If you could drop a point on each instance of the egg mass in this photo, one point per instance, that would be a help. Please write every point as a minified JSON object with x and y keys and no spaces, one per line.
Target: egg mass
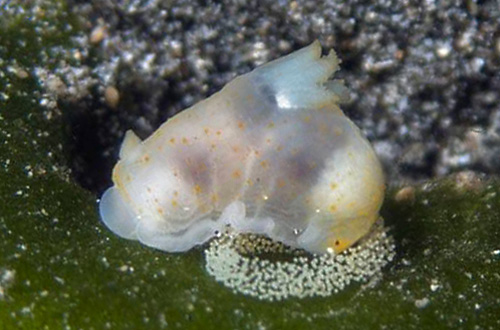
{"x":271,"y":153}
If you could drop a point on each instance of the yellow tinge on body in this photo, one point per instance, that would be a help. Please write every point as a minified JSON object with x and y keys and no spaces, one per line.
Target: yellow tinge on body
{"x":271,"y":153}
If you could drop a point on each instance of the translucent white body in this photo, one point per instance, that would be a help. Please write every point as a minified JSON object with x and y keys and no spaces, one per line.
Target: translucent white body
{"x":271,"y":153}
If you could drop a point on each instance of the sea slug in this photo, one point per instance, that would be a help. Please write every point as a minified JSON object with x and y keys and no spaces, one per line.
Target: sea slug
{"x":271,"y":153}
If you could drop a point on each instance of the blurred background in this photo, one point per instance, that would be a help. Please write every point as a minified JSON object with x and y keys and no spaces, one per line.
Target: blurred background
{"x":423,"y":76}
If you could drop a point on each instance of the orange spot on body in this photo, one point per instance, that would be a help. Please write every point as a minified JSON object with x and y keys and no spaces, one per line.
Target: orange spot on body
{"x":339,"y":245}
{"x":172,"y":140}
{"x":264,"y":164}
{"x":197,"y":189}
{"x":236,"y":174}
{"x":214,"y":198}
{"x":184,"y":140}
{"x":241,"y":125}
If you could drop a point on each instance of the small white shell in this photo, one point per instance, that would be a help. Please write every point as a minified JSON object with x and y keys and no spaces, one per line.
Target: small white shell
{"x":271,"y":153}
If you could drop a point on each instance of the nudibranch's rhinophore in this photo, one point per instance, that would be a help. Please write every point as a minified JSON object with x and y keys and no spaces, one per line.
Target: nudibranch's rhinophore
{"x":270,"y":154}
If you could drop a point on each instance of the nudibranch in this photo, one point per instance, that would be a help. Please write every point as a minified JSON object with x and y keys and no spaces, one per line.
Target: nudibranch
{"x":270,"y":154}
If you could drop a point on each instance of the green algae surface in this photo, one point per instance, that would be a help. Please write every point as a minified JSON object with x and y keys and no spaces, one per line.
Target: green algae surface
{"x":60,"y":267}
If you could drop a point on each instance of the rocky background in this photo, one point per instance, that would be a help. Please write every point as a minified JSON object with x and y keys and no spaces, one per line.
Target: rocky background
{"x":424,"y":76}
